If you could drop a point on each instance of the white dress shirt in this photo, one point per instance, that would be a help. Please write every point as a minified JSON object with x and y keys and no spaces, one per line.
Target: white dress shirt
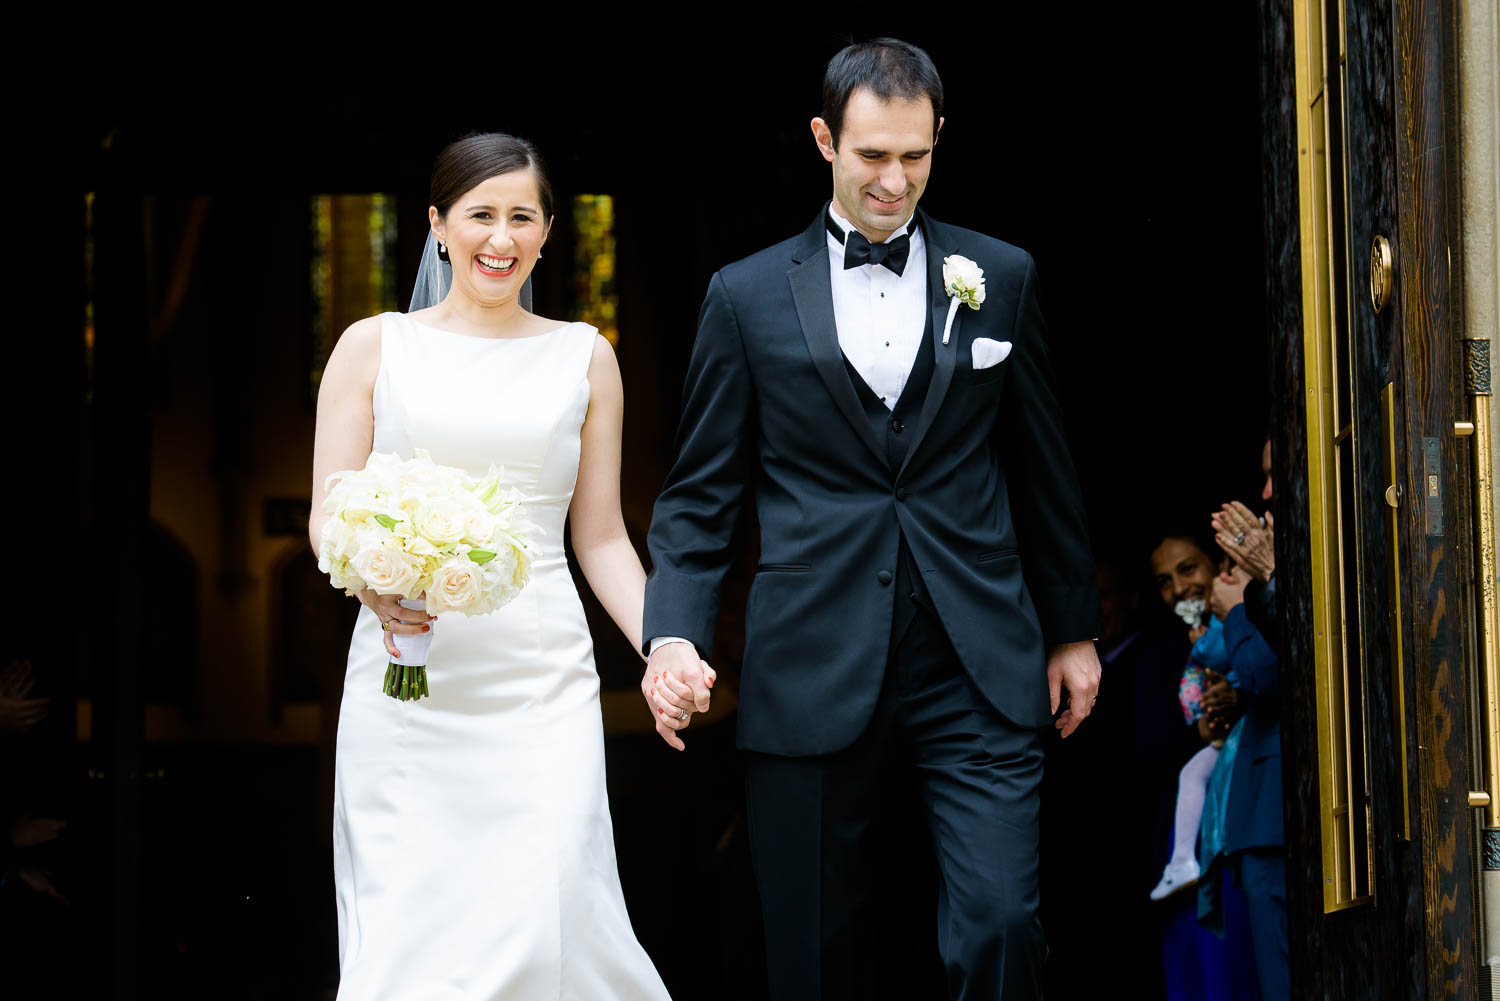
{"x":880,"y":315}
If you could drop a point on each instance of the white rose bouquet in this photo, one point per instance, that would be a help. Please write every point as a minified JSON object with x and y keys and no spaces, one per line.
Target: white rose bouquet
{"x":433,"y":534}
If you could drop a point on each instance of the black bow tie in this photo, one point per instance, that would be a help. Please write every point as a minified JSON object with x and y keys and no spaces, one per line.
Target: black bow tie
{"x":858,"y":250}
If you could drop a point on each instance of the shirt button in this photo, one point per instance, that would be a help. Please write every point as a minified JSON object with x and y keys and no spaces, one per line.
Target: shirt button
{"x":882,"y":295}
{"x":887,"y":343}
{"x":884,"y":577}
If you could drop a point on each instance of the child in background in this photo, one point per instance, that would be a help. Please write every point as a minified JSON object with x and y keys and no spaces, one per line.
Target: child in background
{"x":1207,"y":659}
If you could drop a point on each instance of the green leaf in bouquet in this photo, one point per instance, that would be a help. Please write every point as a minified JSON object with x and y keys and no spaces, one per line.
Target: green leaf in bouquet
{"x":481,"y":556}
{"x":386,"y":520}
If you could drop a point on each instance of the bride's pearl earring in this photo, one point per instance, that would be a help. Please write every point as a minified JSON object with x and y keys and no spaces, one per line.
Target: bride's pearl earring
{"x":442,"y":251}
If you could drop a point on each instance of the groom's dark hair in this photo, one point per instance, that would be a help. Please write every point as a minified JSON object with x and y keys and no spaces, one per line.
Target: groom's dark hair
{"x":889,"y":68}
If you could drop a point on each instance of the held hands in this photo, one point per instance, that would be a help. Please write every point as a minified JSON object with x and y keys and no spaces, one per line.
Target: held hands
{"x":394,"y":619}
{"x":1074,"y":666}
{"x":1229,"y":590}
{"x":1239,"y":533}
{"x":676,"y":685}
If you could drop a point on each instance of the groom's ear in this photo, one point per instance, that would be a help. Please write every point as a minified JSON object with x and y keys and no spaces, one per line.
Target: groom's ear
{"x":938,"y":129}
{"x":823,"y":136}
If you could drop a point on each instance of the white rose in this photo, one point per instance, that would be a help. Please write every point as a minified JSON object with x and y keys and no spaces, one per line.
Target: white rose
{"x":964,"y":280}
{"x":357,"y":495}
{"x":387,"y":568}
{"x":339,"y":540}
{"x":455,"y":586}
{"x":423,"y":476}
{"x":440,"y":521}
{"x":961,"y":270}
{"x":479,"y":527}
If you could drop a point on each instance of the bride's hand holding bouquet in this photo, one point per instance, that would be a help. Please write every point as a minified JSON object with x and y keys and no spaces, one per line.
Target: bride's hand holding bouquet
{"x":412,"y":539}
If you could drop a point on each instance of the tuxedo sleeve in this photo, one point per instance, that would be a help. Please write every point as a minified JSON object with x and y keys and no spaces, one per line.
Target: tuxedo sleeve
{"x":1045,"y":501}
{"x":693,"y":524}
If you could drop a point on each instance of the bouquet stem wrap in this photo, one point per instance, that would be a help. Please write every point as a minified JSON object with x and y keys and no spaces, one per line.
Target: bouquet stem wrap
{"x":406,"y":676}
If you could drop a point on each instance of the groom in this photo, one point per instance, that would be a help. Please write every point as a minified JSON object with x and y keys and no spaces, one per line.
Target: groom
{"x":926,"y":586}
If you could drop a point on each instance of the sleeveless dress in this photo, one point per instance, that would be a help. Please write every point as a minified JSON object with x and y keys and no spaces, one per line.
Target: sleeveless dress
{"x":473,"y":853}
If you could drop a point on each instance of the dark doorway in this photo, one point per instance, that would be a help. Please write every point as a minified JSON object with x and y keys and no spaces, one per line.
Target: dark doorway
{"x":1121,"y":149}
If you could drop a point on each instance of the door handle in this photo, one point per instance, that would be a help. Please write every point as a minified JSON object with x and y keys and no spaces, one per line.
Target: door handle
{"x":1477,"y":388}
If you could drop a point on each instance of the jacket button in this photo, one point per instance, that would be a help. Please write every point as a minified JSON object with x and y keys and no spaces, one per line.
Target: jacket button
{"x":896,"y":425}
{"x":884,"y":577}
{"x":901,"y":493}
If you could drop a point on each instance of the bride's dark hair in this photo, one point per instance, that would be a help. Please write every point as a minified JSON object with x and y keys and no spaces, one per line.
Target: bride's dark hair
{"x":477,"y":157}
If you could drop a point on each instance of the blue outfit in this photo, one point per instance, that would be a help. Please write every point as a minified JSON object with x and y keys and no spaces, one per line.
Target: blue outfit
{"x":1253,"y":836}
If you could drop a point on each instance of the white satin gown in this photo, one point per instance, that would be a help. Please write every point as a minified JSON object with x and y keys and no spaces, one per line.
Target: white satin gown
{"x":473,"y":853}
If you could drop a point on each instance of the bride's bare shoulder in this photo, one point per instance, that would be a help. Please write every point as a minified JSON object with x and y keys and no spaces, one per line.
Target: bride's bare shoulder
{"x":356,"y":355}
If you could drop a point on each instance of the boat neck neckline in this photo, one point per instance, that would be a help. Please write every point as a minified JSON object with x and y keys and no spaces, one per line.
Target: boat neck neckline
{"x":478,"y":337}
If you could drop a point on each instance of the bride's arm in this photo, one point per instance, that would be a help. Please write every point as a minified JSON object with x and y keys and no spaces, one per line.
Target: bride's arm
{"x":346,"y":421}
{"x":343,"y":439}
{"x":608,"y":560}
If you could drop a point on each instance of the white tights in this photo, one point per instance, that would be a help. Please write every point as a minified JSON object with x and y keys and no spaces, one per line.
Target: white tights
{"x":1192,"y":785}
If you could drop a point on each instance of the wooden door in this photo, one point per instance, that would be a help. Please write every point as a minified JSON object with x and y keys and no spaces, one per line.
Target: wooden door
{"x":1374,"y":544}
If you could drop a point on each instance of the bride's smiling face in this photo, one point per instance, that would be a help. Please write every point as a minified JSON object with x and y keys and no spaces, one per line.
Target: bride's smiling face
{"x":494,"y":232}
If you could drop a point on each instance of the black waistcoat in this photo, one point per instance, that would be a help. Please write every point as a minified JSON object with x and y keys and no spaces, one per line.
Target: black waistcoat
{"x":894,"y":427}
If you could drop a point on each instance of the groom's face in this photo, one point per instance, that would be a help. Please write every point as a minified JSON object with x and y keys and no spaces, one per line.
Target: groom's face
{"x":882,"y":160}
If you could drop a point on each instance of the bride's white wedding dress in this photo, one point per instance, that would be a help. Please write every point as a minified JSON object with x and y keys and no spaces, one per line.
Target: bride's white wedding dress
{"x":473,"y":853}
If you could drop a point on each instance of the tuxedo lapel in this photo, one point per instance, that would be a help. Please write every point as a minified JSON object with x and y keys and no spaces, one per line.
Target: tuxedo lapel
{"x":945,"y":357}
{"x":812,"y":291}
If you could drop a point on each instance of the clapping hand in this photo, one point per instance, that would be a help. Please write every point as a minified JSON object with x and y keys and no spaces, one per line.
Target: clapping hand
{"x":1229,"y":591}
{"x":1240,"y":535}
{"x":17,"y":712}
{"x":676,"y":685}
{"x":1074,"y":666}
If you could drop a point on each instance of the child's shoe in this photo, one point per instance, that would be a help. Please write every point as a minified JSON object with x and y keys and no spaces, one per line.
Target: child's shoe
{"x":1176,"y":876}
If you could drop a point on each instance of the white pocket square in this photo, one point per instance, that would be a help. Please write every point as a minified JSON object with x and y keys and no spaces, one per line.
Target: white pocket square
{"x":988,"y":353}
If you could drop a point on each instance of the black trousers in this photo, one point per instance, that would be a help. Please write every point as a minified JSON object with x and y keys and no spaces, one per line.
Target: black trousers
{"x":978,"y":778}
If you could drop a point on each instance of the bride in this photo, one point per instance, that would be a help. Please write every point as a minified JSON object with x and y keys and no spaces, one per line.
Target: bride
{"x":473,"y":853}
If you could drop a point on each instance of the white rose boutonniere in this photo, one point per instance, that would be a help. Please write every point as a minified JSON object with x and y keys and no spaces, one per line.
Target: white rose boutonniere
{"x":964,"y":282}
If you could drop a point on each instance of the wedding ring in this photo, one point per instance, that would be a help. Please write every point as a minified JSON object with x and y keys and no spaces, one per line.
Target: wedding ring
{"x":682,"y":714}
{"x":1239,"y":540}
{"x":385,"y":624}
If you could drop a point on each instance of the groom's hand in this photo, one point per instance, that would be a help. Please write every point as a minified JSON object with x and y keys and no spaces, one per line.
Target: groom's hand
{"x":1074,"y":666}
{"x":676,"y":685}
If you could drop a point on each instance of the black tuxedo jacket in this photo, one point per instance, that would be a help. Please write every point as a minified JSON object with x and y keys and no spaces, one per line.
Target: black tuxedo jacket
{"x":986,"y":497}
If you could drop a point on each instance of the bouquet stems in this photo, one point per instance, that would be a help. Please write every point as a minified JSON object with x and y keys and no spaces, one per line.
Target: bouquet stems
{"x":405,"y":682}
{"x":406,"y":675}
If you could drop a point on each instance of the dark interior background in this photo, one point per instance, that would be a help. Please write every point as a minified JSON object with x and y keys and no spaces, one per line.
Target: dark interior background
{"x":1120,"y":147}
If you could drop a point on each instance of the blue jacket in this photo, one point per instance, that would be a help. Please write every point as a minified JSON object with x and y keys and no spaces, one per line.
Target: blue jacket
{"x":1253,"y":819}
